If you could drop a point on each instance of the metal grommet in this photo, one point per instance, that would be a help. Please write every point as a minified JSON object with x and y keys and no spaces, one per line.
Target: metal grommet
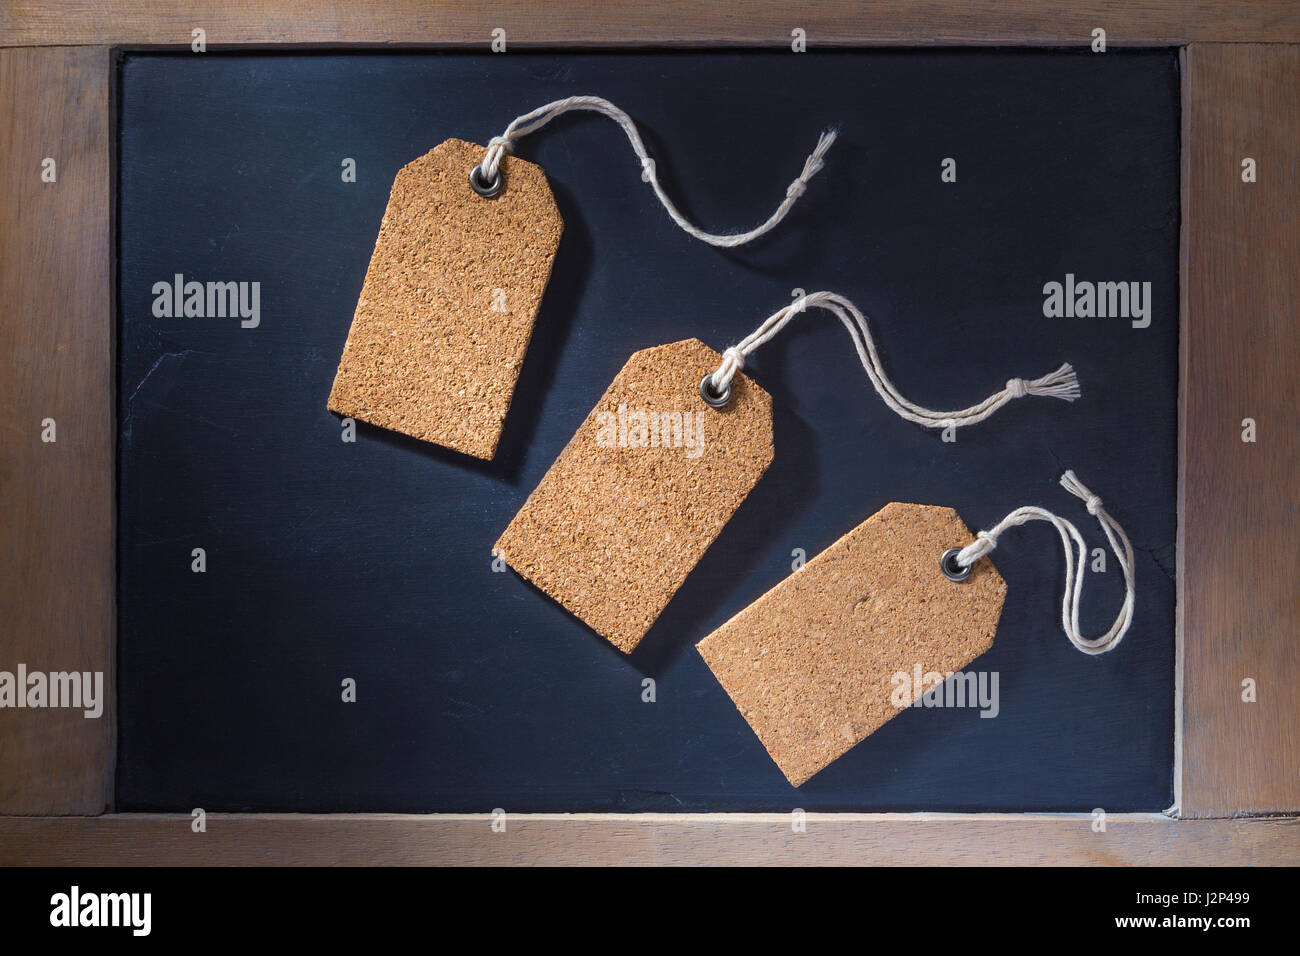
{"x":485,"y":189}
{"x":711,"y":395}
{"x":951,"y":569}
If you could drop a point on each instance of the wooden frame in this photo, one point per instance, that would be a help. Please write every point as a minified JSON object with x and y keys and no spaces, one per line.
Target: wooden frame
{"x":1237,"y":768}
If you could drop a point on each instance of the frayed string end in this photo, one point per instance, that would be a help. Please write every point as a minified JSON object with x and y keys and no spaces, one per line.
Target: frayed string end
{"x":1062,"y":384}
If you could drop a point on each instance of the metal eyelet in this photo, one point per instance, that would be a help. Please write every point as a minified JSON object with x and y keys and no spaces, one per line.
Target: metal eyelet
{"x":712,"y":396}
{"x":951,"y":569}
{"x":485,"y":189}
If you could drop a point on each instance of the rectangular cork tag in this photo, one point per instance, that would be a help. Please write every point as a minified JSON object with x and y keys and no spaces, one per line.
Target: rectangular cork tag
{"x":811,"y":664}
{"x":449,"y":301}
{"x":641,"y":491}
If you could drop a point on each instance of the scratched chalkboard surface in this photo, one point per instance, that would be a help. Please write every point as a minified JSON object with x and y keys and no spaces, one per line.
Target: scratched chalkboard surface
{"x":326,"y":561}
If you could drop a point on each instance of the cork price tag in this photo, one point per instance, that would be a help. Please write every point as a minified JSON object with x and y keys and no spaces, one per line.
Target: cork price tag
{"x":641,"y":490}
{"x":812,"y":664}
{"x":449,"y":301}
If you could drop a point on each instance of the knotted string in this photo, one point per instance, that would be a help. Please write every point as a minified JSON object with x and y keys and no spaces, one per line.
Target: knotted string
{"x":1062,"y":383}
{"x":498,"y":146}
{"x":986,"y":541}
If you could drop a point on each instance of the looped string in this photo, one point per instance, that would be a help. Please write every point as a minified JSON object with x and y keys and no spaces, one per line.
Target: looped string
{"x":986,"y":541}
{"x":498,"y":146}
{"x":733,"y":361}
{"x":1062,"y":383}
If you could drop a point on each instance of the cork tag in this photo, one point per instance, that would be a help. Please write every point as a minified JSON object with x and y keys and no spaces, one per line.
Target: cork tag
{"x":449,"y":301}
{"x":813,"y":664}
{"x":641,"y":490}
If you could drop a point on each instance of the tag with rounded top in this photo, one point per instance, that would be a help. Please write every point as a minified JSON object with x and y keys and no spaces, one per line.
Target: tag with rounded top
{"x":641,"y":490}
{"x":449,"y":301}
{"x":888,"y":615}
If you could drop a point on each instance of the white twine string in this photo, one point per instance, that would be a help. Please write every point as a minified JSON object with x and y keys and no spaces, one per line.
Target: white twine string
{"x":986,"y":541}
{"x":1061,"y":383}
{"x":498,"y":146}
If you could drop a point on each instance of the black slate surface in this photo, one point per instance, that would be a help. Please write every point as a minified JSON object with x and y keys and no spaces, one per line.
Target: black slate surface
{"x":328,"y":560}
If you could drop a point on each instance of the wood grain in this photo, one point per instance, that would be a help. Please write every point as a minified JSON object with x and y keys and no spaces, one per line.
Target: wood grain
{"x":56,"y":361}
{"x":671,"y":23}
{"x":1240,"y":603}
{"x":1239,"y":576}
{"x":591,"y":839}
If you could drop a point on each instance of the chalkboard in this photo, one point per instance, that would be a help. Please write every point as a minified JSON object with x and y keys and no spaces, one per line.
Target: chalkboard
{"x":327,"y":560}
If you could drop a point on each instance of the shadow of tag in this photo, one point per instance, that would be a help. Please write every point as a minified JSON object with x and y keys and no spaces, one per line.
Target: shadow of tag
{"x":814,"y":664}
{"x":449,"y":301}
{"x":641,"y":490}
